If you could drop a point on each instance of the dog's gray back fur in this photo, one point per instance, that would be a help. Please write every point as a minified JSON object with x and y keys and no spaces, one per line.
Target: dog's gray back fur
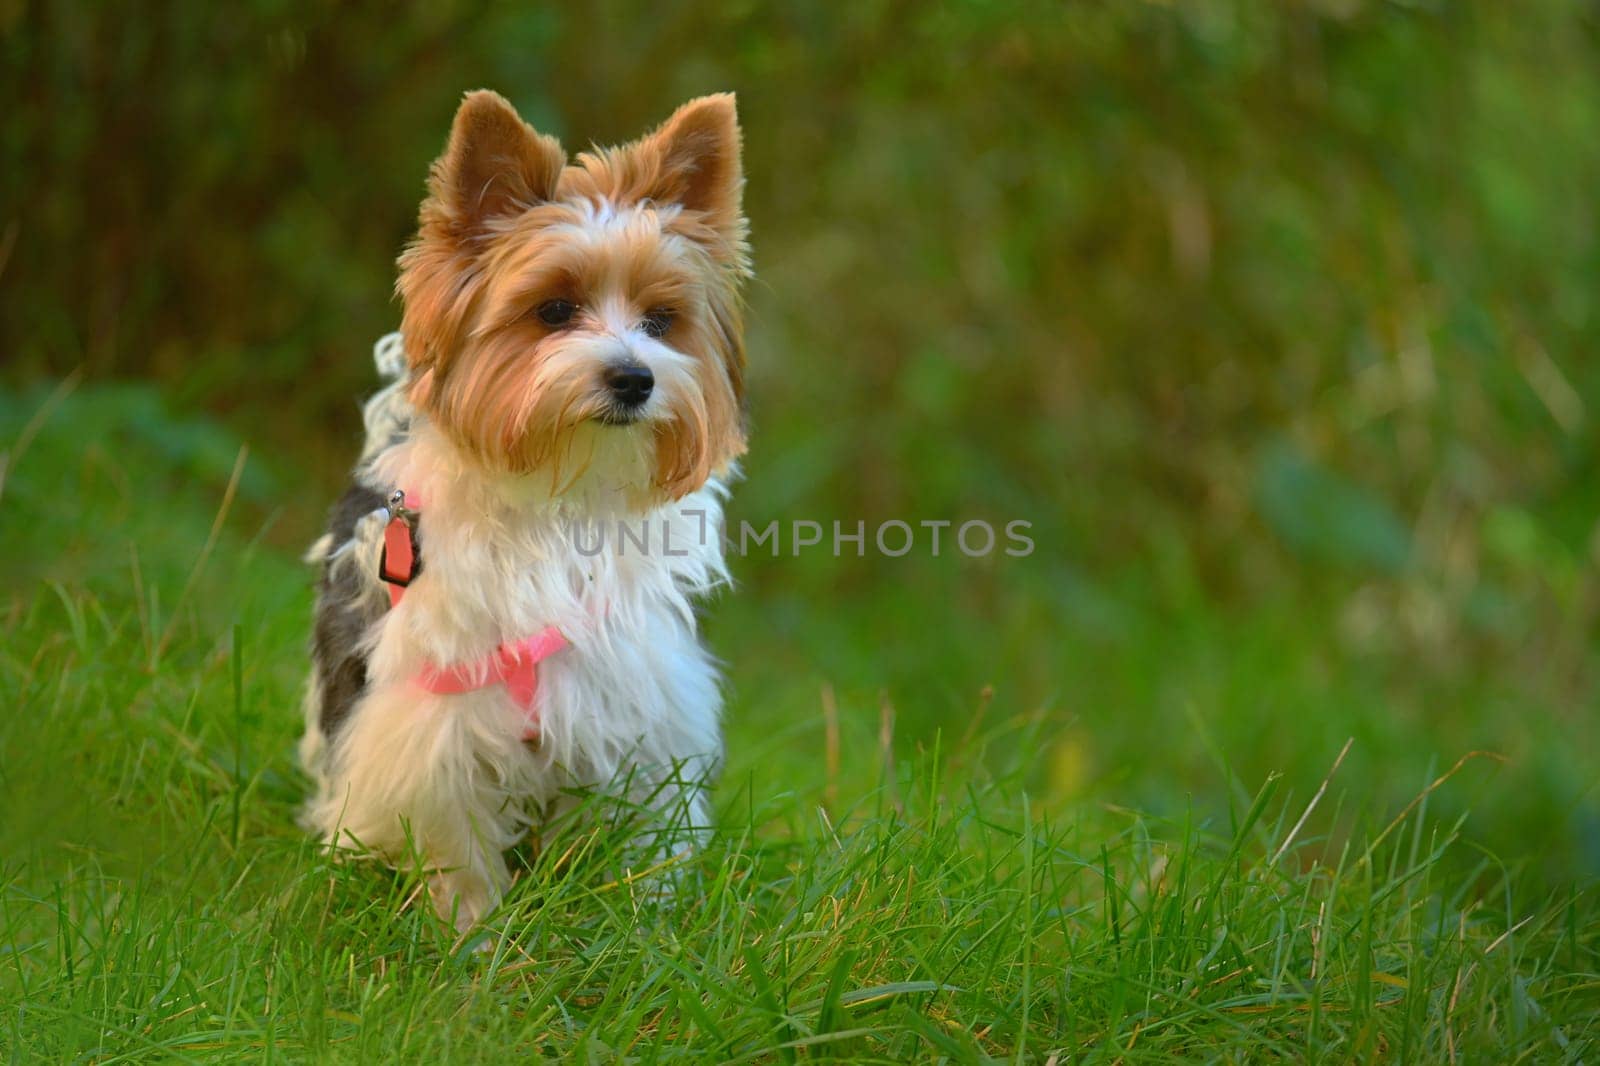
{"x":350,"y":598}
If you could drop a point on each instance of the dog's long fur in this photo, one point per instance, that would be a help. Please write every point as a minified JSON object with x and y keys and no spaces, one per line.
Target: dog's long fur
{"x":494,"y":423}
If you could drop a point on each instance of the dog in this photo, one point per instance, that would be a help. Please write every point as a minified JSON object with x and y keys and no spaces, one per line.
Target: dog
{"x":491,"y":631}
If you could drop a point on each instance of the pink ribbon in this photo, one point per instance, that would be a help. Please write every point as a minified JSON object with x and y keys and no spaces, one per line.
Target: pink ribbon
{"x":514,"y":664}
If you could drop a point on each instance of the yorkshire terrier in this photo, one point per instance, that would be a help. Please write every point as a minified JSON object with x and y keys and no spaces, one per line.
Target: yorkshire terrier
{"x":570,"y":362}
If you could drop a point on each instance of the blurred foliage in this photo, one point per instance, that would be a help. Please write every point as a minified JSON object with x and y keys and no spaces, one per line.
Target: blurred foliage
{"x":1283,"y":310}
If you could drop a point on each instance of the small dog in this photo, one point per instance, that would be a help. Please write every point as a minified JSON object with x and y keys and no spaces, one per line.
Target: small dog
{"x":570,"y":362}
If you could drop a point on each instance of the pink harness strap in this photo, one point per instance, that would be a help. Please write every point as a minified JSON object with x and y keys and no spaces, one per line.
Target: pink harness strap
{"x":514,"y":664}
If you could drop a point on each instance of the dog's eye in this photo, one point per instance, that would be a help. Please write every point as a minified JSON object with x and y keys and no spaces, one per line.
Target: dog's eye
{"x":556,"y":312}
{"x":656,"y":323}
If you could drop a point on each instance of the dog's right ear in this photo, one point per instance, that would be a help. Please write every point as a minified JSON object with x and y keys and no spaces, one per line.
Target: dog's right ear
{"x":495,"y":165}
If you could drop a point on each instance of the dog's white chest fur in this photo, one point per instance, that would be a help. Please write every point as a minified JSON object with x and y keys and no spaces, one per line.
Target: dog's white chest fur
{"x":631,"y":703}
{"x":634,"y":685}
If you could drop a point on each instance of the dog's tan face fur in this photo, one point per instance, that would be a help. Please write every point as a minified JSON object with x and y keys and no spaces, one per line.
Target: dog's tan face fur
{"x":644,"y":245}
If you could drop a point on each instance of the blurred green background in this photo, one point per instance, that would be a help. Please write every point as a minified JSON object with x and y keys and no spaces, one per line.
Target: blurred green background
{"x":1274,"y":319}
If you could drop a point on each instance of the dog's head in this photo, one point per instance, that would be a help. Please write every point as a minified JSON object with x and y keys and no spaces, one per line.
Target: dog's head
{"x":561,"y":315}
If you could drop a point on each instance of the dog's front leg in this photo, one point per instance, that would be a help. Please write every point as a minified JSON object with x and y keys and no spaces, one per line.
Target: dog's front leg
{"x":466,"y":885}
{"x":675,"y":805}
{"x":416,"y":776}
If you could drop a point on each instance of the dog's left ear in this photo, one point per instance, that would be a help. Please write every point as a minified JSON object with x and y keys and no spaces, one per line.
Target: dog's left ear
{"x":697,"y":163}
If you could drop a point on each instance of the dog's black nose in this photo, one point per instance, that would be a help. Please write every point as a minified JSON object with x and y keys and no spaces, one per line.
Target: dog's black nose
{"x":630,"y":384}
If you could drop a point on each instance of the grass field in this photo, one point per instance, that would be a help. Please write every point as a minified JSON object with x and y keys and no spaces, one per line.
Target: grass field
{"x":892,"y":879}
{"x":1276,"y":321}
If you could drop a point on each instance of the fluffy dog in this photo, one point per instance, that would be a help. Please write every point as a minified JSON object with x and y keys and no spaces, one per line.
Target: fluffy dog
{"x":491,"y":628}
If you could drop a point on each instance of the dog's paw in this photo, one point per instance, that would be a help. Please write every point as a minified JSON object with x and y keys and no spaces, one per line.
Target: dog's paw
{"x":461,"y":898}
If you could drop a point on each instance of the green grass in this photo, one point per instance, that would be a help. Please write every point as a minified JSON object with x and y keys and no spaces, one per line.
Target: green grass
{"x":947,"y":888}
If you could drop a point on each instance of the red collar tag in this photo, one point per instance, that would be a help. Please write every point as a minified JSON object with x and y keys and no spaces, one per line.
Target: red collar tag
{"x":397,"y":566}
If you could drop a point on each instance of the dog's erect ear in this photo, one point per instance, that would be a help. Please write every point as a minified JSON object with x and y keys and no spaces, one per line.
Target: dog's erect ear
{"x":698,"y":164}
{"x":495,"y":164}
